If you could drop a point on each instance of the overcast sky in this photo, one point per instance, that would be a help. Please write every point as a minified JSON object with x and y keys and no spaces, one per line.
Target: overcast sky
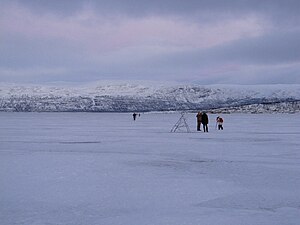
{"x":186,"y":41}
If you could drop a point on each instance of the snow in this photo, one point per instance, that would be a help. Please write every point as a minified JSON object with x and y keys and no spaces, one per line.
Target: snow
{"x":105,"y":168}
{"x":137,"y":97}
{"x":144,"y":90}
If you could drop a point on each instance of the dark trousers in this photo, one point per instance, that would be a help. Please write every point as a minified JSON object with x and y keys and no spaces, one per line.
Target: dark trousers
{"x":205,"y":127}
{"x":220,"y":127}
{"x":198,"y":126}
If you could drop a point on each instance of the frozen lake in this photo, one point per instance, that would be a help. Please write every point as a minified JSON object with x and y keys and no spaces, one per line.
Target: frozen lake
{"x":106,"y":169}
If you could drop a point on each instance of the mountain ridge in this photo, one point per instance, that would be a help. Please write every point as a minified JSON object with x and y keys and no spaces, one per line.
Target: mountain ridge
{"x":136,"y":97}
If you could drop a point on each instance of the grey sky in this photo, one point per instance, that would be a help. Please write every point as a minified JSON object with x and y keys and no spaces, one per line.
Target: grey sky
{"x":192,"y":41}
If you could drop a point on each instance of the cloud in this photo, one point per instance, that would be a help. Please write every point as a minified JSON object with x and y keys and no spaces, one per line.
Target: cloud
{"x":271,"y":48}
{"x":274,"y":8}
{"x":88,"y":28}
{"x":192,"y":41}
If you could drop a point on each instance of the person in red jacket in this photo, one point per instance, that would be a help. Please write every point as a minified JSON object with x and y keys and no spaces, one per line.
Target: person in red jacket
{"x":220,"y":123}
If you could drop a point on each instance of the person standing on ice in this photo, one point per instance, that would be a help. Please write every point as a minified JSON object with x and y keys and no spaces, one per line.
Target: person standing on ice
{"x":199,"y":119}
{"x":204,"y":121}
{"x":134,"y":116}
{"x":220,"y":122}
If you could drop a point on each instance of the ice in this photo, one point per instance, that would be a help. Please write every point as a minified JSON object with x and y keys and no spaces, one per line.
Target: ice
{"x":105,"y":168}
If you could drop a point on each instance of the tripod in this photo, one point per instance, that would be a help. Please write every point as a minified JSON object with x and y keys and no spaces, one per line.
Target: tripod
{"x":181,"y":123}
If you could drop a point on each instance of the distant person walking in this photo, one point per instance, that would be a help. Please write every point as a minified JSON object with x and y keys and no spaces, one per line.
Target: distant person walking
{"x":134,"y":116}
{"x":205,"y":122}
{"x":199,"y":119}
{"x":220,"y":123}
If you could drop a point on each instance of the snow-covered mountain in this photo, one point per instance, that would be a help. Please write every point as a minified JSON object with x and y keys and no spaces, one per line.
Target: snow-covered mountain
{"x":134,"y":97}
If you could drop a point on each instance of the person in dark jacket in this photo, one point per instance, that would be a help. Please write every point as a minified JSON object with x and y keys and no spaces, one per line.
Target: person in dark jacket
{"x":199,"y":119}
{"x":134,"y":116}
{"x":205,"y":122}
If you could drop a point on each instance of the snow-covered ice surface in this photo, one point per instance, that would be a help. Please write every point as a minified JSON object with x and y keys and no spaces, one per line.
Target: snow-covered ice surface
{"x":97,"y":168}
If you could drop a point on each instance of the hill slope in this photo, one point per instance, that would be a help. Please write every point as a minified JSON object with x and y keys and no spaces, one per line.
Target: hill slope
{"x":128,"y":97}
